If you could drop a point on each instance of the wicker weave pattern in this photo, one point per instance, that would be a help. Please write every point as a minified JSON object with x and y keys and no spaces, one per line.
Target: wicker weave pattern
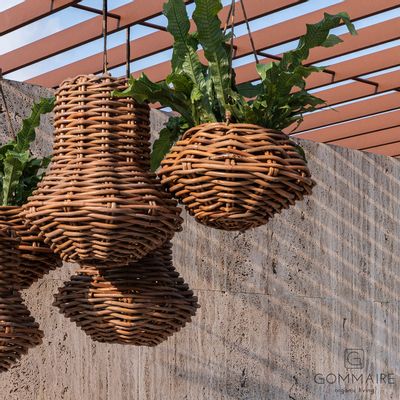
{"x":18,"y":330}
{"x":33,"y":259}
{"x":237,"y":176}
{"x":141,"y":304}
{"x":99,"y":200}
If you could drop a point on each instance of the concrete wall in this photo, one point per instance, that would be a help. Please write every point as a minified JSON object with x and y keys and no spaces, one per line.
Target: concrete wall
{"x":279,"y":305}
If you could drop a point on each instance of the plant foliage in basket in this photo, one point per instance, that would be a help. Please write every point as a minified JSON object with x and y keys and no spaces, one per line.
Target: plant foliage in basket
{"x":208,"y":93}
{"x":20,"y":171}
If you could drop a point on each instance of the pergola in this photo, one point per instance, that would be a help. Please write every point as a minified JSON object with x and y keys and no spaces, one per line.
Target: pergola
{"x":363,"y":89}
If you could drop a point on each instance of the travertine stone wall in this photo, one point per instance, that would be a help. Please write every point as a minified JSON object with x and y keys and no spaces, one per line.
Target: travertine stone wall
{"x":280,"y":305}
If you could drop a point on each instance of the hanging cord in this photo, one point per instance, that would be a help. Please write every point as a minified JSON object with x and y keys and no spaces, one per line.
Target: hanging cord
{"x":8,"y":114}
{"x":230,"y":20}
{"x":249,"y":32}
{"x":105,"y":32}
{"x":128,"y":52}
{"x":233,"y":11}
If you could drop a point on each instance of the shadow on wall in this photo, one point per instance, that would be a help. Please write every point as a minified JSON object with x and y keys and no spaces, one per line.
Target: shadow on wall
{"x":289,"y":298}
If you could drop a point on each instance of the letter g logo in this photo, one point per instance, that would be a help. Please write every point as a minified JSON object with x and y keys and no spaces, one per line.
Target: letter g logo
{"x":354,"y":359}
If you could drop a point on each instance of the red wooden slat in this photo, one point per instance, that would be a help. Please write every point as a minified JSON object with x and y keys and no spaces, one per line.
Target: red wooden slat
{"x":30,"y":11}
{"x":370,"y":140}
{"x":392,"y":150}
{"x":348,"y":129}
{"x":351,"y":111}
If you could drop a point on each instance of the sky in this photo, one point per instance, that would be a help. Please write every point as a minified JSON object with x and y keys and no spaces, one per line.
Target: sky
{"x":71,"y":16}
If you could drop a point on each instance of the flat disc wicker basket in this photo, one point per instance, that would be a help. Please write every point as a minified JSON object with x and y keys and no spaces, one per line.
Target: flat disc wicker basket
{"x":99,"y":200}
{"x":35,"y":258}
{"x":235,"y":176}
{"x":141,"y":304}
{"x":18,"y":330}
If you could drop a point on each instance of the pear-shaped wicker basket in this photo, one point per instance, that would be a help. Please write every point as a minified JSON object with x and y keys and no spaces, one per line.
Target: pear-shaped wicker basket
{"x":235,"y":176}
{"x":33,"y":258}
{"x":18,"y":330}
{"x":140,"y":304}
{"x":99,"y":201}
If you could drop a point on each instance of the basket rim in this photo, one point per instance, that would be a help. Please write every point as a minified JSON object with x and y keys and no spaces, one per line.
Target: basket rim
{"x":234,"y":125}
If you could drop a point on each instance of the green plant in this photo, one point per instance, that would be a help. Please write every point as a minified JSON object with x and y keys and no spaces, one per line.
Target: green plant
{"x":20,"y":172}
{"x":203,"y":94}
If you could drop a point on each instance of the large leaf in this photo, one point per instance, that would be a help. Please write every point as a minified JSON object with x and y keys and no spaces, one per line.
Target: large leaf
{"x":212,"y":40}
{"x":318,"y":35}
{"x":143,"y":89}
{"x":14,"y":164}
{"x":19,"y":171}
{"x":168,"y":136}
{"x":249,"y":90}
{"x":27,"y":133}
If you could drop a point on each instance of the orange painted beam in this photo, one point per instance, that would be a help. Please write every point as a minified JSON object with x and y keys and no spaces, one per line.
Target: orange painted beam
{"x":279,"y":33}
{"x":357,"y":90}
{"x":348,"y":129}
{"x":370,"y":140}
{"x":348,"y":112}
{"x":392,"y":150}
{"x":30,"y":11}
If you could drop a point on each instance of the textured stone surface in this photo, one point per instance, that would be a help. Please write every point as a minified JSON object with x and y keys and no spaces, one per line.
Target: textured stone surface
{"x":280,"y":304}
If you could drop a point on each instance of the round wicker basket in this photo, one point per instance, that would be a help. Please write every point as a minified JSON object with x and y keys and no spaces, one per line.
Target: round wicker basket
{"x":99,"y":200}
{"x":235,"y":176}
{"x":141,"y":304}
{"x":32,"y":258}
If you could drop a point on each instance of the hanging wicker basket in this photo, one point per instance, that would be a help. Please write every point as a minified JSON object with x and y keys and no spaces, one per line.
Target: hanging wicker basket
{"x":235,"y":176}
{"x":18,"y":330}
{"x":141,"y":304}
{"x":35,"y":258}
{"x":99,"y":200}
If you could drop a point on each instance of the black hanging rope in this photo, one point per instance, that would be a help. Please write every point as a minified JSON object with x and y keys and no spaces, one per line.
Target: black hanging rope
{"x":249,"y":32}
{"x":105,"y":32}
{"x":128,"y":52}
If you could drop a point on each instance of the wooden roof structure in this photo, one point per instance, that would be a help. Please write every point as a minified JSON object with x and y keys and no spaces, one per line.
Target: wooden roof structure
{"x":363,"y":88}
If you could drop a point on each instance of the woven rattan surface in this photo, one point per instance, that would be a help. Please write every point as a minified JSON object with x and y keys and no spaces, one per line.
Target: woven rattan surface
{"x":236,"y":176}
{"x":141,"y":304}
{"x":99,"y":200}
{"x":18,"y":330}
{"x":32,"y":258}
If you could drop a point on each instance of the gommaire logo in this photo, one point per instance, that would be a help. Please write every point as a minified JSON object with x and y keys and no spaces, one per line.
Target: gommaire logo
{"x":355,"y":379}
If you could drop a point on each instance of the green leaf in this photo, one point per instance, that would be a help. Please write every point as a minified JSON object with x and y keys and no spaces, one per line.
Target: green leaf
{"x":168,"y":136}
{"x":19,"y":172}
{"x":27,"y":133}
{"x":249,"y":90}
{"x":143,"y":89}
{"x":332,"y":40}
{"x":212,"y":40}
{"x":14,"y":164}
